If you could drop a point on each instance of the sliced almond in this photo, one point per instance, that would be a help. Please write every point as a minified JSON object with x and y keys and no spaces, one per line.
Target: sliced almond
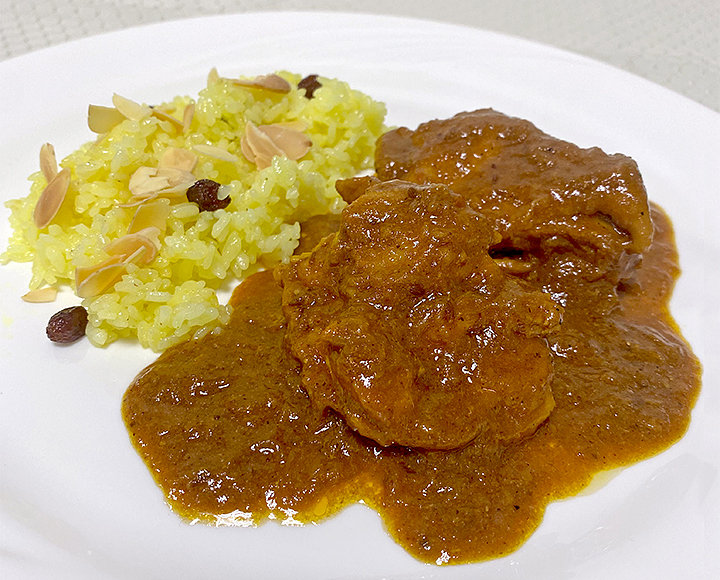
{"x":216,"y":152}
{"x":102,"y":119}
{"x":152,"y":233}
{"x":295,"y":144}
{"x":175,"y":176}
{"x":135,"y":257}
{"x":141,"y":175}
{"x":271,"y":82}
{"x":146,"y":181}
{"x":261,"y":144}
{"x":129,"y":245}
{"x":51,"y":199}
{"x":152,"y":214}
{"x":177,"y":190}
{"x":188,"y":115}
{"x":163,"y":116}
{"x":94,"y":280}
{"x":48,"y":294}
{"x":131,"y":109}
{"x":139,"y":201}
{"x":178,"y":158}
{"x":246,"y":150}
{"x":48,"y":162}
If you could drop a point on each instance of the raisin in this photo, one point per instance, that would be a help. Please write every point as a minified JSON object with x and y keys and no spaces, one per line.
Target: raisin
{"x":310,"y":83}
{"x":204,"y":193}
{"x":68,"y":325}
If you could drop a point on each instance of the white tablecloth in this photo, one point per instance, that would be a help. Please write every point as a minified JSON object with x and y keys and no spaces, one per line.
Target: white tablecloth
{"x":675,"y":43}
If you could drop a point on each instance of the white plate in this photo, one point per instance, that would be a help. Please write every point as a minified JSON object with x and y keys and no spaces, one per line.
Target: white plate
{"x":76,"y":500}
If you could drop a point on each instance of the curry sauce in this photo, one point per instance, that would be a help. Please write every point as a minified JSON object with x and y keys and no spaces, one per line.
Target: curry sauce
{"x":233,"y":435}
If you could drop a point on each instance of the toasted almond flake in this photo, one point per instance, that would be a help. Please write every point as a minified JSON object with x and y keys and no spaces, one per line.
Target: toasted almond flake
{"x":48,"y":162}
{"x":246,"y":150}
{"x":47,"y":294}
{"x":146,"y":181}
{"x":258,"y":147}
{"x":130,"y":109}
{"x":177,"y":190}
{"x":152,"y":233}
{"x":94,"y":280}
{"x":129,"y":245}
{"x":292,"y":142}
{"x":140,"y":176}
{"x":178,"y":158}
{"x":188,"y":115}
{"x":51,"y":199}
{"x":152,"y":214}
{"x":150,"y":186}
{"x":176,"y":176}
{"x":213,"y":76}
{"x":139,"y":201}
{"x":134,"y":258}
{"x":271,"y":82}
{"x":103,"y":119}
{"x":163,"y":116}
{"x":216,"y":152}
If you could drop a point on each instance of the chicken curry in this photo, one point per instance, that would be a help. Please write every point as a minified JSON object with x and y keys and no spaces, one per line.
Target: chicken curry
{"x":482,"y":330}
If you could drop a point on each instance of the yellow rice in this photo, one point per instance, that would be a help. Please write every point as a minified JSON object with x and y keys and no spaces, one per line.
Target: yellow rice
{"x":175,"y":295}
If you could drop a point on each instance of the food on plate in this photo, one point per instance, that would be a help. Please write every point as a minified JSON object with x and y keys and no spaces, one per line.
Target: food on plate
{"x":67,"y":325}
{"x":570,"y":201}
{"x":409,"y":329}
{"x":172,"y":203}
{"x":483,"y":329}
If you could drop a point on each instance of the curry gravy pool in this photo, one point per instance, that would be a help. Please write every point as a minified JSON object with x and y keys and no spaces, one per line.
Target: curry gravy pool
{"x":235,"y":428}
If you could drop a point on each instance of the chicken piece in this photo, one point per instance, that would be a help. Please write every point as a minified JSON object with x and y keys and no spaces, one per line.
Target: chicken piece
{"x":543,"y":195}
{"x":406,"y":327}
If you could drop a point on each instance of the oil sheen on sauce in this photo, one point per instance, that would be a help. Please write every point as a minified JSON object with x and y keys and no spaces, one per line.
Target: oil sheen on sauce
{"x":231,"y":437}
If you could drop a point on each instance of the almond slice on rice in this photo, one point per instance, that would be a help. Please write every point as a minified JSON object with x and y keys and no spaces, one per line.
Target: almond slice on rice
{"x":47,"y":294}
{"x":154,"y":213}
{"x":216,"y":152}
{"x":102,"y":119}
{"x":258,"y":147}
{"x":178,"y":158}
{"x":261,"y":144}
{"x":177,"y":179}
{"x":48,"y":162}
{"x":51,"y":199}
{"x":272,"y":82}
{"x":94,"y":280}
{"x":139,"y":201}
{"x":163,"y":116}
{"x":294,"y":143}
{"x":129,"y":244}
{"x":130,"y":109}
{"x":146,"y":181}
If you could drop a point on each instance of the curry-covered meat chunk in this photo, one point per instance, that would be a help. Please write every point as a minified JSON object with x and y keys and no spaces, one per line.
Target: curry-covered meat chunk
{"x":541,"y":194}
{"x":407,"y":327}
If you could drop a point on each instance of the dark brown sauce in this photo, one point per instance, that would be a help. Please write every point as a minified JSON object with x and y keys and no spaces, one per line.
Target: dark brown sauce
{"x":230,"y":435}
{"x":235,"y":430}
